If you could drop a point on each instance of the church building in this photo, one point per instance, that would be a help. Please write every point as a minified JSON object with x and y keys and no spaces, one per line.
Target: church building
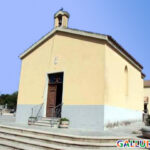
{"x":89,"y":77}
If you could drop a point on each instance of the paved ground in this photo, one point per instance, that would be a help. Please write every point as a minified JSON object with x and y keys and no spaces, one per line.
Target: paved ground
{"x":125,"y":131}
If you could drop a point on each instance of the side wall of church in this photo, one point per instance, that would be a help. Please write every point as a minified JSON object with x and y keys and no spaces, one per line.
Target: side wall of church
{"x":123,"y":89}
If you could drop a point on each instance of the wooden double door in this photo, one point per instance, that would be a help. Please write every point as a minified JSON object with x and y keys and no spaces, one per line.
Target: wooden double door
{"x":51,"y":100}
{"x":54,"y":99}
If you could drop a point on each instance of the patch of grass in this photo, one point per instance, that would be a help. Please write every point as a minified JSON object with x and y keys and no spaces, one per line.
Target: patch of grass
{"x":116,"y":124}
{"x":136,"y":132}
{"x":112,"y":125}
{"x":126,"y":123}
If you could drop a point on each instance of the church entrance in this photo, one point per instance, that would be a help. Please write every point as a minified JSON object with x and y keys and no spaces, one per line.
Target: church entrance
{"x":54,"y":97}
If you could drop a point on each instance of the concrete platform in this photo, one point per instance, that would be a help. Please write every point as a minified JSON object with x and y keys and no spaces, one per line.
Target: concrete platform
{"x":122,"y":131}
{"x":25,"y":137}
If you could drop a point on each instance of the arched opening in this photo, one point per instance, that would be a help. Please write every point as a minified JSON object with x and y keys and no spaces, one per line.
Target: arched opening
{"x":59,"y":21}
{"x":126,"y":80}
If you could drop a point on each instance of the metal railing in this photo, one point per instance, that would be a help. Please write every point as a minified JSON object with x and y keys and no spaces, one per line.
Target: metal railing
{"x":56,"y":114}
{"x":56,"y":111}
{"x":35,"y":112}
{"x":38,"y":114}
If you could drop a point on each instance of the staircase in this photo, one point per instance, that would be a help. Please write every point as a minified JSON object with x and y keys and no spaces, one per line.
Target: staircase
{"x":30,"y":139}
{"x":45,"y":121}
{"x":49,"y":122}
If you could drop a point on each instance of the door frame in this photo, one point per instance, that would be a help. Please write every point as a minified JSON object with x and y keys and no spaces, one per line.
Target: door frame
{"x":45,"y":91}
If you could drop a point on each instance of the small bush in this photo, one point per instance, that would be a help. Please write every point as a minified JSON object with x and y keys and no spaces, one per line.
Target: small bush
{"x":112,"y":125}
{"x":64,"y":119}
{"x":116,"y":124}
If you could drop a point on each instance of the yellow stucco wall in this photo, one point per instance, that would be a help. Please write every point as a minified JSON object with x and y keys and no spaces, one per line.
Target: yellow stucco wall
{"x":115,"y":82}
{"x":147,"y":94}
{"x":56,"y":22}
{"x":81,"y":60}
{"x":33,"y":74}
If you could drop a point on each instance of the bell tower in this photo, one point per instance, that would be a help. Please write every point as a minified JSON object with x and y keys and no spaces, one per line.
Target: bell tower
{"x":61,"y":19}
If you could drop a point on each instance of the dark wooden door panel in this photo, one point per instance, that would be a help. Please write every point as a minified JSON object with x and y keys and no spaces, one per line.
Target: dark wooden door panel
{"x":51,"y":101}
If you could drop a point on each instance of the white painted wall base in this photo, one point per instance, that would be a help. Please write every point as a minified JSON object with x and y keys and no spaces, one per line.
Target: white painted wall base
{"x":89,"y":117}
{"x":25,"y":111}
{"x":113,"y":114}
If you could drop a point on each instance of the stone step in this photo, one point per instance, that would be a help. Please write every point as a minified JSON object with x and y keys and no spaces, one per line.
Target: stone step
{"x":46,"y":124}
{"x":44,"y":140}
{"x":42,"y":124}
{"x":51,"y":118}
{"x":49,"y":122}
{"x":4,"y":147}
{"x":28,"y":143}
{"x":60,"y":136}
{"x":24,"y":145}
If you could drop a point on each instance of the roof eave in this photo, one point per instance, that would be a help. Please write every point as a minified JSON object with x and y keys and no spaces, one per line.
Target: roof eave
{"x":125,"y":52}
{"x":143,"y":75}
{"x":29,"y":50}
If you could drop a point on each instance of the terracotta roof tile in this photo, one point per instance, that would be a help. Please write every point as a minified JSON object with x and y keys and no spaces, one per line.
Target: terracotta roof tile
{"x":147,"y":83}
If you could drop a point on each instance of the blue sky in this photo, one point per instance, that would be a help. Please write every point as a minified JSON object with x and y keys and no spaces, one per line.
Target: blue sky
{"x":23,"y":22}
